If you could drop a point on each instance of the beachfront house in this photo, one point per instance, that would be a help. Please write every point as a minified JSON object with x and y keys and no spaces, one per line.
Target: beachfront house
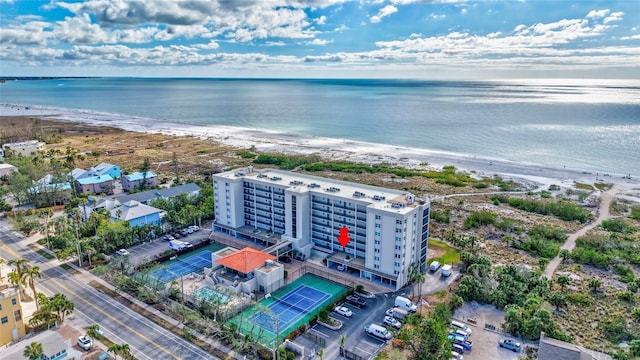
{"x":137,"y":214}
{"x":137,"y":179}
{"x":245,"y":271}
{"x":106,"y":169}
{"x":24,"y":148}
{"x":96,"y":184}
{"x":384,"y":231}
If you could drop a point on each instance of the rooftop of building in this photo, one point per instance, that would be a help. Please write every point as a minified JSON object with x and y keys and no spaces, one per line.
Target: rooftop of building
{"x":146,"y":196}
{"x":245,"y":260}
{"x":133,"y":210}
{"x":96,"y":179}
{"x":139,"y":176}
{"x":378,"y":197}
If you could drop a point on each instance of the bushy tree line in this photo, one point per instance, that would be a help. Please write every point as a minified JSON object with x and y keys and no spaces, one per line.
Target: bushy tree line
{"x":604,"y":250}
{"x":426,"y":337}
{"x":542,"y":240}
{"x":564,"y":210}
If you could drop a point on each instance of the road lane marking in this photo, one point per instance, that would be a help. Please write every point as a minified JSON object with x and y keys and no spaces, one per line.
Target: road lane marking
{"x":101,"y":311}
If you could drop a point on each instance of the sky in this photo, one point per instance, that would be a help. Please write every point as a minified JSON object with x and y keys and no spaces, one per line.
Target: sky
{"x":423,"y":39}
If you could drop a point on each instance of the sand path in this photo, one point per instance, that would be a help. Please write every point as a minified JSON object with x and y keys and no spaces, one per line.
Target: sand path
{"x":570,"y":243}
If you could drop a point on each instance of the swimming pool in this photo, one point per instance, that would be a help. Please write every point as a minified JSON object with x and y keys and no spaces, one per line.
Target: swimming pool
{"x":211,"y":295}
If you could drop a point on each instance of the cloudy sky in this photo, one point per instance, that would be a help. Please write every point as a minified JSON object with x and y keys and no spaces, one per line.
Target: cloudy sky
{"x":321,"y":38}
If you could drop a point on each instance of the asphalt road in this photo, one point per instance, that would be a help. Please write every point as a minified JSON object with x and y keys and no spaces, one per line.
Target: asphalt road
{"x":122,"y":325}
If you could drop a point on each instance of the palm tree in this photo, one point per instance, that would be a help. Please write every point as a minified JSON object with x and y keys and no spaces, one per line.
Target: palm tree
{"x":61,"y":306}
{"x":115,"y":349}
{"x":420,"y":279}
{"x":30,"y":274}
{"x":594,"y":285}
{"x":125,"y":350}
{"x":33,"y":351}
{"x":321,"y":353}
{"x":563,"y":281}
{"x":343,"y":340}
{"x":46,"y":214}
{"x":18,"y":279}
{"x":93,"y":331}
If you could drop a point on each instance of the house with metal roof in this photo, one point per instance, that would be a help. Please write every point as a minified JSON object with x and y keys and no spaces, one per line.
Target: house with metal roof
{"x":136,"y":214}
{"x":106,"y":169}
{"x":552,"y":349}
{"x":146,"y":197}
{"x":96,"y":184}
{"x":135,"y":180}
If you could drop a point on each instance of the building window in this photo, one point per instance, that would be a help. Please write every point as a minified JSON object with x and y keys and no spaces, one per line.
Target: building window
{"x":5,"y":319}
{"x":377,"y":226}
{"x":378,"y":217}
{"x":398,"y":221}
{"x":14,"y":301}
{"x":17,"y":315}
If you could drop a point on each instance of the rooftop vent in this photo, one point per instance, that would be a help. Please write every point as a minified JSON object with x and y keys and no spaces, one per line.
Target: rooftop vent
{"x":359,"y":194}
{"x":262,"y":176}
{"x":313,"y":185}
{"x":378,"y":197}
{"x":276,"y":178}
{"x":333,"y":189}
{"x":296,"y":182}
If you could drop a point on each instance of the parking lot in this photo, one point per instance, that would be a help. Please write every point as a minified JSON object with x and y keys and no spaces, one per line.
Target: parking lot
{"x":149,"y":250}
{"x":353,"y":328}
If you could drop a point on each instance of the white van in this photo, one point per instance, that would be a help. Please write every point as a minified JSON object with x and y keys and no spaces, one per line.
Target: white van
{"x":461,"y":326}
{"x":378,"y":331}
{"x":446,"y":270}
{"x":435,"y":265}
{"x":405,"y":304}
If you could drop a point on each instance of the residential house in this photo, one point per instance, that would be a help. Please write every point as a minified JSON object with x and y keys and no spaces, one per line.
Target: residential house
{"x":135,"y":180}
{"x":54,"y":345}
{"x":24,"y":148}
{"x":146,"y":197}
{"x":245,"y":271}
{"x":96,"y":184}
{"x":78,"y":173}
{"x":137,"y":214}
{"x":552,"y":349}
{"x":106,"y":169}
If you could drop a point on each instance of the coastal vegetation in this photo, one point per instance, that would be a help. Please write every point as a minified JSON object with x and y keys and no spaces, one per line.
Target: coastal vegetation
{"x":563,"y":209}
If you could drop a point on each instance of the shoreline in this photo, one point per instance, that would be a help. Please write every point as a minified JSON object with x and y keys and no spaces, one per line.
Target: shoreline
{"x":331,"y":148}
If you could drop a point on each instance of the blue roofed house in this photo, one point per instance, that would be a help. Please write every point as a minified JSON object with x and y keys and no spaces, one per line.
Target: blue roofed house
{"x":134,"y":180}
{"x":106,"y":169}
{"x":78,"y":173}
{"x":137,"y":214}
{"x":96,"y":184}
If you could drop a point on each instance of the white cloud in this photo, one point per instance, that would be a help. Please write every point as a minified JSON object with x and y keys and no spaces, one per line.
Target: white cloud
{"x":519,"y":28}
{"x":321,"y":20}
{"x":596,"y":14}
{"x":437,"y":16}
{"x":464,"y":11}
{"x":385,"y":11}
{"x":319,"y":42}
{"x":616,"y":16}
{"x":274,"y":43}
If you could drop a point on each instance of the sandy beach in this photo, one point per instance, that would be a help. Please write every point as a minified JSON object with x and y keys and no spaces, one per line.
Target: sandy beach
{"x":337,"y":149}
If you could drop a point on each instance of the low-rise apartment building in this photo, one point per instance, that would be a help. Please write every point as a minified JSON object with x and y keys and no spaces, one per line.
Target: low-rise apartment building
{"x":387,"y":229}
{"x":11,"y":317}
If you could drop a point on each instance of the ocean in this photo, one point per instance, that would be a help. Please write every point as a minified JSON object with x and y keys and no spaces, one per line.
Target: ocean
{"x":586,"y":125}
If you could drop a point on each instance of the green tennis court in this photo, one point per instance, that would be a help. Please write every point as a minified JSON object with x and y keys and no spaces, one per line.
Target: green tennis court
{"x":287,"y":309}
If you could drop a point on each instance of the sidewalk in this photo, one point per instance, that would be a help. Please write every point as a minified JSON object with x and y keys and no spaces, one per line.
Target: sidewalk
{"x":86,"y":277}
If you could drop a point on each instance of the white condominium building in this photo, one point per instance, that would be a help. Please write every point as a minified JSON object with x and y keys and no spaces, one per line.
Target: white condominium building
{"x":387,"y":229}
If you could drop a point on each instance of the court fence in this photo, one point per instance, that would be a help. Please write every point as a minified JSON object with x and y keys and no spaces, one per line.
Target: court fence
{"x":316,"y":337}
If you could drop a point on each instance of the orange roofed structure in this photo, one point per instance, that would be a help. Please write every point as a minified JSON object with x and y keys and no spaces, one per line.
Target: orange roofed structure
{"x":246,"y":271}
{"x":245,"y":260}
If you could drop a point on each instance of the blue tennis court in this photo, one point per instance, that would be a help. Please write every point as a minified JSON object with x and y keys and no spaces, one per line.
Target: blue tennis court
{"x":186,"y":266}
{"x":290,"y":308}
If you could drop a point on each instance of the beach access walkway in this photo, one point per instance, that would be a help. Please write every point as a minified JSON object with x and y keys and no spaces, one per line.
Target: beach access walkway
{"x":570,"y":243}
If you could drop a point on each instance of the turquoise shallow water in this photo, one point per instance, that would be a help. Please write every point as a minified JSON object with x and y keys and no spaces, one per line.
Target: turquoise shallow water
{"x":593,"y":126}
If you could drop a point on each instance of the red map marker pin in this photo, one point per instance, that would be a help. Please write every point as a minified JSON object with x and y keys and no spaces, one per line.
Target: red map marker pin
{"x":344,"y":236}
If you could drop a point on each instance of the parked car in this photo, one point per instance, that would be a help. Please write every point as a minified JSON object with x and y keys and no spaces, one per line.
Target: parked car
{"x":456,"y":355}
{"x":284,"y":259}
{"x":168,"y":238}
{"x":123,"y":252}
{"x":177,"y":235}
{"x":461,"y":326}
{"x":85,"y":342}
{"x":355,"y":300}
{"x":509,"y":344}
{"x":343,"y":310}
{"x":186,"y":231}
{"x":194,"y":228}
{"x":389,"y":312}
{"x":388,"y":320}
{"x":435,"y":265}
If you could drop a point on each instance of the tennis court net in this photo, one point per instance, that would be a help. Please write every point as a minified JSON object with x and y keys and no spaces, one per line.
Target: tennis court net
{"x":290,"y":305}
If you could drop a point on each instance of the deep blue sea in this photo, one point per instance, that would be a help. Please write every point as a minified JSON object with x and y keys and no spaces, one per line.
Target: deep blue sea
{"x":590,"y":125}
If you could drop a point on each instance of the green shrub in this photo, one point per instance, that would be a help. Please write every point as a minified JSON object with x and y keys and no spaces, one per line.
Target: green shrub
{"x":480,"y":218}
{"x":440,"y":217}
{"x":635,"y":212}
{"x":564,"y":210}
{"x":618,"y":225}
{"x":246,"y":154}
{"x":579,"y":299}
